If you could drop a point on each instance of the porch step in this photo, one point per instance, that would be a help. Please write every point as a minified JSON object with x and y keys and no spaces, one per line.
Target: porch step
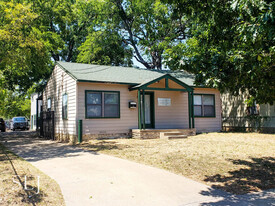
{"x":177,"y":137}
{"x":172,"y":135}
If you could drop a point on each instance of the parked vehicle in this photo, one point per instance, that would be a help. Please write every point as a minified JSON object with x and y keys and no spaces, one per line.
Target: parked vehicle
{"x":2,"y":125}
{"x":7,"y":124}
{"x":19,"y":123}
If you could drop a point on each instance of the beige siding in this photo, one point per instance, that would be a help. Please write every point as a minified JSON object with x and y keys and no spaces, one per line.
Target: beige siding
{"x":174,"y":116}
{"x":234,"y":111}
{"x":209,"y":124}
{"x":233,"y":106}
{"x":58,"y":84}
{"x":128,"y":117}
{"x":161,"y":84}
{"x":268,"y":111}
{"x":158,"y":84}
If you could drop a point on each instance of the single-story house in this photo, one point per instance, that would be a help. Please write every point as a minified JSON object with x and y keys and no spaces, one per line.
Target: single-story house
{"x":114,"y":101}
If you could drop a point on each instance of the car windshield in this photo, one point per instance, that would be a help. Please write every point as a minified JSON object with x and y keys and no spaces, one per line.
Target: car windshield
{"x":20,"y":119}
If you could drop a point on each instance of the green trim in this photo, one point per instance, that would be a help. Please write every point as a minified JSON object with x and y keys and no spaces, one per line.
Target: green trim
{"x":189,"y":109}
{"x":65,"y":93}
{"x":80,"y":131}
{"x":166,"y":83}
{"x":143,"y":110}
{"x":141,"y":121}
{"x":166,"y":89}
{"x":202,"y":105}
{"x":192,"y":109}
{"x":139,"y":110}
{"x":152,"y":110}
{"x":102,"y":104}
{"x":166,"y":77}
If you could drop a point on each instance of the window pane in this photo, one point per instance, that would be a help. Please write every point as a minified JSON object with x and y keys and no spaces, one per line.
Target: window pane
{"x":209,"y":111}
{"x":64,"y":106}
{"x":94,"y":98}
{"x":94,"y":111}
{"x":111,"y":98}
{"x":49,"y":103}
{"x":111,"y":110}
{"x":197,"y":111}
{"x":64,"y":112}
{"x":208,"y":100}
{"x":197,"y":99}
{"x":65,"y":99}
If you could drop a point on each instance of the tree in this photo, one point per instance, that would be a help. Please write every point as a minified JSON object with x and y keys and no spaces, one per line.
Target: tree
{"x":58,"y":22}
{"x":231,"y":45}
{"x":14,"y":104}
{"x":23,"y":56}
{"x":146,"y":26}
{"x":105,"y":48}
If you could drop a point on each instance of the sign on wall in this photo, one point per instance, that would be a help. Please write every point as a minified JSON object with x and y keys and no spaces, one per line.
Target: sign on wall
{"x":164,"y":102}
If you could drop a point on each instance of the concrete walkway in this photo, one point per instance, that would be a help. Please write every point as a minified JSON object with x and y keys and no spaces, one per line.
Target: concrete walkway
{"x":88,"y":178}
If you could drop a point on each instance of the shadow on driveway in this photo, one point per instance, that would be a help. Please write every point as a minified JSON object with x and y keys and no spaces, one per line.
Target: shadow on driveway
{"x":265,"y":198}
{"x":32,"y":148}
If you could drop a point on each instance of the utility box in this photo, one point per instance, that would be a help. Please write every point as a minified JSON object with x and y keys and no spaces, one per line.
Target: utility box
{"x":132,"y":105}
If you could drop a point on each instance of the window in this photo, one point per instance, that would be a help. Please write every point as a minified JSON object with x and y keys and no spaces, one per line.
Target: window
{"x":34,"y":120}
{"x":204,"y":105}
{"x":253,"y":110}
{"x":49,"y":104}
{"x":65,"y":106}
{"x":102,"y":104}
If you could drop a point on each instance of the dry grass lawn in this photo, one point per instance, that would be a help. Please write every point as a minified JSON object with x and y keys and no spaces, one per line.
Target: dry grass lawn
{"x":11,"y":186}
{"x":235,"y":162}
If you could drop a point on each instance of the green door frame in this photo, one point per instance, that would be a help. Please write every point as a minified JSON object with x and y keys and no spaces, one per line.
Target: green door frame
{"x":141,"y":93}
{"x":141,"y":109}
{"x":152,"y":110}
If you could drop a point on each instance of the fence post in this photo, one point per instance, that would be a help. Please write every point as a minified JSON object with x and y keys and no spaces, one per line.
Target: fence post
{"x":41,"y":124}
{"x":53,"y":126}
{"x":79,"y":131}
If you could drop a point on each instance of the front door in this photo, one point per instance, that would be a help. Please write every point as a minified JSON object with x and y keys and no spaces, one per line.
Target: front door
{"x":149,"y":110}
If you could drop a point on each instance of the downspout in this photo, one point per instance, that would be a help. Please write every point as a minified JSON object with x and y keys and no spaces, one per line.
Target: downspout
{"x":192,"y":109}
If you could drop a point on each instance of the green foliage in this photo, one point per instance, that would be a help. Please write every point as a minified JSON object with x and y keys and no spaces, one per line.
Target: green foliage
{"x":146,"y":26}
{"x":232,"y":46}
{"x":23,"y":56}
{"x":105,"y":48}
{"x":14,"y":104}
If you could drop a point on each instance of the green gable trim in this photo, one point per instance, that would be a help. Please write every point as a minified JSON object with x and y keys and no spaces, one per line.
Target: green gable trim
{"x":166,"y":89}
{"x":166,"y":77}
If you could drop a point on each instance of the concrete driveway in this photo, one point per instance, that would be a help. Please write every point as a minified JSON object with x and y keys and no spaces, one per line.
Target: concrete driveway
{"x":88,"y":178}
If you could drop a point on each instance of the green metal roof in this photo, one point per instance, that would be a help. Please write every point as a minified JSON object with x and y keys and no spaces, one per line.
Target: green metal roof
{"x":121,"y":75}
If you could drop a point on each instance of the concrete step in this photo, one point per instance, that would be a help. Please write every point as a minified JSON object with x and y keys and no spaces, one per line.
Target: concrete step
{"x":172,"y":135}
{"x":176,"y":137}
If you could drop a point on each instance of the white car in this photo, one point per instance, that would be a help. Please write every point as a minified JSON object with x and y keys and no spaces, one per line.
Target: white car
{"x":19,"y":123}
